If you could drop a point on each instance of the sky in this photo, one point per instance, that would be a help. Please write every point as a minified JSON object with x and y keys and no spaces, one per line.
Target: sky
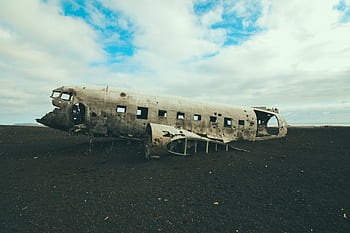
{"x":293,"y":55}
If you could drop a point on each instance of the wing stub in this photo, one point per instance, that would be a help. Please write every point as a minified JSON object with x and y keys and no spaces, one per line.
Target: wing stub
{"x":163,"y":139}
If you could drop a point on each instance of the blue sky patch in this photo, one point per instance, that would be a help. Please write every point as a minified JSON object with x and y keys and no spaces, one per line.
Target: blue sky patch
{"x":202,"y":7}
{"x":344,"y":9}
{"x":238,"y":18}
{"x":114,"y":28}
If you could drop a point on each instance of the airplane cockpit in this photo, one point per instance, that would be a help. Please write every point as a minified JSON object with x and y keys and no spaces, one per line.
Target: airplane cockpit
{"x":67,"y":113}
{"x":61,"y":97}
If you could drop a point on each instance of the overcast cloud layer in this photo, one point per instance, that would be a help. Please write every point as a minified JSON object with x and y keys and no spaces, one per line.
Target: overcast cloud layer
{"x":294,"y":55}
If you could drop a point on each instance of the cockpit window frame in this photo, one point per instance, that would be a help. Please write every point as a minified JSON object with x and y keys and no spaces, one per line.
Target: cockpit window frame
{"x":56,"y":94}
{"x":69,"y":96}
{"x":65,"y":96}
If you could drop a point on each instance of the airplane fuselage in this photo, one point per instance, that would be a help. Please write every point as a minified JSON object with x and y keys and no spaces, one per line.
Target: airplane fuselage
{"x":124,"y":113}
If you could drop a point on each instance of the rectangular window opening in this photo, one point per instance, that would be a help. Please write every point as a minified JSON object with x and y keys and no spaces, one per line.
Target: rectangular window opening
{"x":142,"y":113}
{"x":227,"y":122}
{"x":55,"y":94}
{"x":162,"y":113}
{"x":180,"y":115}
{"x":240,"y":122}
{"x":213,"y":119}
{"x":197,"y":117}
{"x":121,"y":109}
{"x":66,"y":96}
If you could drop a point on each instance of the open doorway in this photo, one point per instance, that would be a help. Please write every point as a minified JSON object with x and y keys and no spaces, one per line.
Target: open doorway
{"x":78,"y":113}
{"x":267,"y":123}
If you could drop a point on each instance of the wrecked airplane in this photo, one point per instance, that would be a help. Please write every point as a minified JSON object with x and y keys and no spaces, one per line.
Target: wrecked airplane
{"x":166,"y":124}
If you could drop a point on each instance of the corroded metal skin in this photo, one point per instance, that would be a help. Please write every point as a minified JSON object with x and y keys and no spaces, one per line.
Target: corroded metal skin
{"x":167,"y":124}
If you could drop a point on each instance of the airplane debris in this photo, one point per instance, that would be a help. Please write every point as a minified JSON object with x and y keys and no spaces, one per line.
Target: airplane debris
{"x":239,"y":149}
{"x":167,"y":125}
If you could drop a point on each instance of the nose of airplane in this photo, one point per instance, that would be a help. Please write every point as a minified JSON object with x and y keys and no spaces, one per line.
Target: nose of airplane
{"x":56,"y":119}
{"x":41,"y":121}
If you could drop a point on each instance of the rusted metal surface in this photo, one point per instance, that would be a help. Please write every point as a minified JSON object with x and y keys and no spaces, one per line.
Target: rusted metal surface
{"x":165,"y":123}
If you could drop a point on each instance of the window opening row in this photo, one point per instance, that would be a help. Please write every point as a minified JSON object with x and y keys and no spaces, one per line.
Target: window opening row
{"x":142,"y":113}
{"x":63,"y":95}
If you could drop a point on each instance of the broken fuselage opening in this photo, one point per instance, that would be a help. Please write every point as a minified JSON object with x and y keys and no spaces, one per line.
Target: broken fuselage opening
{"x":78,"y":113}
{"x":269,"y":124}
{"x":67,"y":113}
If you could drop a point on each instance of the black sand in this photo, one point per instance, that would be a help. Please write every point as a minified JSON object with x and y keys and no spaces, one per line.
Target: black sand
{"x":48,"y":183}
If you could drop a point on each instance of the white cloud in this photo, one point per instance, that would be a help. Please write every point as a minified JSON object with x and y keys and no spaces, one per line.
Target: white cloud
{"x":41,"y":44}
{"x":212,"y":17}
{"x":168,"y":31}
{"x":40,"y":49}
{"x":289,"y":55}
{"x":300,"y":58}
{"x":41,"y":25}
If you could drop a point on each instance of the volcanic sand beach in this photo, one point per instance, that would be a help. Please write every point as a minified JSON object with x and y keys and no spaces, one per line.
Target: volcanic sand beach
{"x":49,"y":182}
